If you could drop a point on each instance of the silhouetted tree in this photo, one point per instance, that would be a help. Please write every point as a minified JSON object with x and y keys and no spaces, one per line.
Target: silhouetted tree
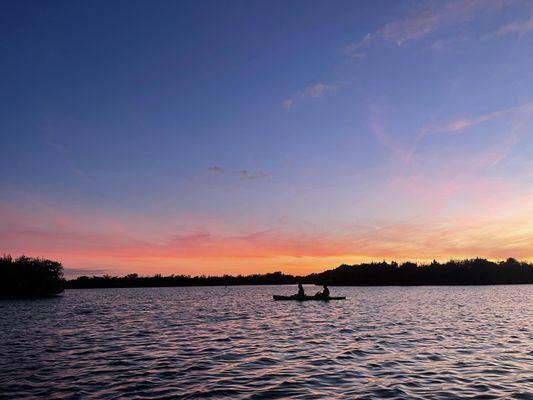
{"x":476,"y":271}
{"x":30,"y":277}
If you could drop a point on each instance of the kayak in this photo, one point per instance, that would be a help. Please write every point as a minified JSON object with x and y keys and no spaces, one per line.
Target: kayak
{"x":306,"y":298}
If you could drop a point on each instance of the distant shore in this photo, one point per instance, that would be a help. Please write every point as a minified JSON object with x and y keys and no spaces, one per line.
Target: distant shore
{"x":476,"y":271}
{"x":27,"y":277}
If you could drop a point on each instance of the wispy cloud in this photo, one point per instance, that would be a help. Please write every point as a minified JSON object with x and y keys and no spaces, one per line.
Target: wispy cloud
{"x":462,"y":124}
{"x":459,"y":125}
{"x":517,"y":27}
{"x":511,"y":234}
{"x":316,"y":90}
{"x":415,"y":177}
{"x":438,"y":45}
{"x":424,"y":20}
{"x":382,"y":134}
{"x":403,"y":154}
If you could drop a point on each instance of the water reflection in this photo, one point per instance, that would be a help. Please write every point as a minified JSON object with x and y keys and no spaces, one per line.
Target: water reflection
{"x":418,"y":342}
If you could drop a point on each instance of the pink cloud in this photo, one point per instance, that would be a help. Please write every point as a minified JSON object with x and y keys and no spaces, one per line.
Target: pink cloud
{"x":82,"y":245}
{"x":316,"y":90}
{"x":518,"y":27}
{"x":426,"y":19}
{"x":461,"y":124}
{"x":518,"y":116}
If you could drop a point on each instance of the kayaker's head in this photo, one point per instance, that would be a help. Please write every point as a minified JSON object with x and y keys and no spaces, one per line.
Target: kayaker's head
{"x":325,"y":286}
{"x":300,"y":286}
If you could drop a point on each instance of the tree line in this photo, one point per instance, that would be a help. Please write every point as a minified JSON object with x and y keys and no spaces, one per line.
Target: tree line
{"x":477,"y":271}
{"x":37,"y":277}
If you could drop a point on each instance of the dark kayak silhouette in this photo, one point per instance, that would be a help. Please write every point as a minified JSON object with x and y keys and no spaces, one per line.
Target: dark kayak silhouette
{"x":300,"y":296}
{"x":307,"y":298}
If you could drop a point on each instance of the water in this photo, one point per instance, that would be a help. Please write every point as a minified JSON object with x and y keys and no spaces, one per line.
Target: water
{"x":236,"y":342}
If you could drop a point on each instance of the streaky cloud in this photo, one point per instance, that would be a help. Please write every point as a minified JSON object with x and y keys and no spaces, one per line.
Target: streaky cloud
{"x":510,"y":233}
{"x":425,"y":19}
{"x":316,"y":90}
{"x":516,"y":27}
{"x":459,"y":125}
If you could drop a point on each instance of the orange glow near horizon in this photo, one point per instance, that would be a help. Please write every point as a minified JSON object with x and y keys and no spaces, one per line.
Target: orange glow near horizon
{"x":103,"y":245}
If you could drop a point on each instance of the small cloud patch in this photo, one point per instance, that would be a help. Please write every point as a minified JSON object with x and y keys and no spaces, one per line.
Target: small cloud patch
{"x":314,"y":91}
{"x":215,"y":169}
{"x":251,"y":176}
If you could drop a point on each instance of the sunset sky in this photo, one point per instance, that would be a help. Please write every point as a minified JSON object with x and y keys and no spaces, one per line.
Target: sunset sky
{"x":211,"y":137}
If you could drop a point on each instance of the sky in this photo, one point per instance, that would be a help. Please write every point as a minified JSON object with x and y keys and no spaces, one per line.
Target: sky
{"x":213,"y":137}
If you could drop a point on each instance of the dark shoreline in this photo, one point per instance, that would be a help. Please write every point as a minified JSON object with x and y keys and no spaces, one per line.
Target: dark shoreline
{"x":470,"y":272}
{"x":27,"y":277}
{"x":291,"y":285}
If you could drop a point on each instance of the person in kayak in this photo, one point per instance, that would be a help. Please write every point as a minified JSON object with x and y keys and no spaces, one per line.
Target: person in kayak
{"x":324,"y":293}
{"x":301,"y":292}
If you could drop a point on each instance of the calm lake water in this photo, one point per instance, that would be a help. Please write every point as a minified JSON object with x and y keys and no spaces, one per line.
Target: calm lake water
{"x":236,"y":342}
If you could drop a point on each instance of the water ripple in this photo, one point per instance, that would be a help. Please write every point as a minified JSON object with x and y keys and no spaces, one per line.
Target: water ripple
{"x":396,"y":343}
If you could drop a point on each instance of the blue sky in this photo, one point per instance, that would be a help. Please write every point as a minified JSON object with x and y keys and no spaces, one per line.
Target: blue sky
{"x":346,"y":130}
